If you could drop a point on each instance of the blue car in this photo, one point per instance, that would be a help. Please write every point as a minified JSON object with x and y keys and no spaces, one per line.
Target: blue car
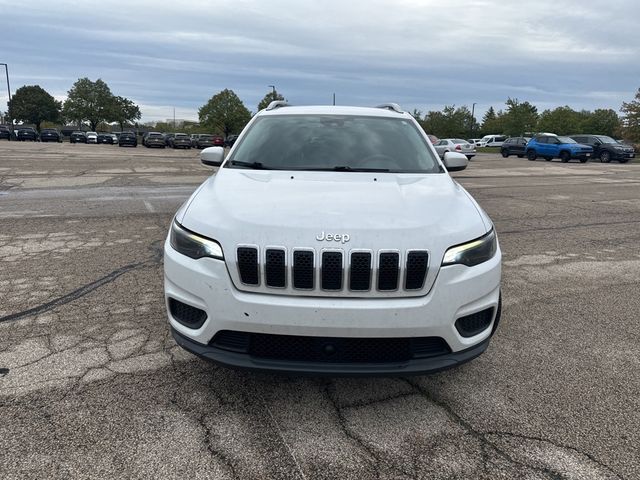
{"x":553,"y":146}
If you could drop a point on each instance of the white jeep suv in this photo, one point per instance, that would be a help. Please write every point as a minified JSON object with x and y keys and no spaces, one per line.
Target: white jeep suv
{"x":333,"y":241}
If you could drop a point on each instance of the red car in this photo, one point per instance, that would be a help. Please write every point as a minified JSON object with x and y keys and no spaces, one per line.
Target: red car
{"x":218,"y":141}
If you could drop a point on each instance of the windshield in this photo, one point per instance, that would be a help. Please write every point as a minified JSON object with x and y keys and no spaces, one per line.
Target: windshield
{"x":566,"y":140}
{"x":334,"y":142}
{"x":605,"y":139}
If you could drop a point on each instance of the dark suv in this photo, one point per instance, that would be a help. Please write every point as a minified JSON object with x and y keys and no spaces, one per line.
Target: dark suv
{"x":27,"y":134}
{"x":5,"y":132}
{"x":514,"y":146}
{"x":78,"y":136}
{"x":606,"y":148}
{"x":128,"y":138}
{"x":50,"y":135}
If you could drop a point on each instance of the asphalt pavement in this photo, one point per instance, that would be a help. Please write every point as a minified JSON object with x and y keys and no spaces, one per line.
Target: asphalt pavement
{"x":93,"y":386}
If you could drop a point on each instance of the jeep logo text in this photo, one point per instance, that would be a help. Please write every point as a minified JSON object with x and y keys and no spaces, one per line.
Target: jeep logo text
{"x":333,"y":237}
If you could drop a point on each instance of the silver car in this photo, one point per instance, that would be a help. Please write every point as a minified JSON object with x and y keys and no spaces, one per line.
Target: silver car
{"x":455,"y":145}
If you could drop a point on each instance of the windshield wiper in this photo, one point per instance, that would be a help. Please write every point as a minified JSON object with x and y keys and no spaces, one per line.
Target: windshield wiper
{"x":254,"y":165}
{"x":347,"y":168}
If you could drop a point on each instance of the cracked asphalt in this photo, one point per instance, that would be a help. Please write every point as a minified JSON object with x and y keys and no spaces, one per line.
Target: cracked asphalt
{"x":93,"y":386}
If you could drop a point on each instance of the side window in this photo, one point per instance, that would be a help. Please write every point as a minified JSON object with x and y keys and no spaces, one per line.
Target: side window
{"x":541,"y":139}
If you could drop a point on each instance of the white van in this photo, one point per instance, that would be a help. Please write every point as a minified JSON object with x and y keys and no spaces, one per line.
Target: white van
{"x":492,"y":140}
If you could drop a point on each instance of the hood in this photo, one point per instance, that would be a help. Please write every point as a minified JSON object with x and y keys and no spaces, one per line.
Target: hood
{"x":294,"y":209}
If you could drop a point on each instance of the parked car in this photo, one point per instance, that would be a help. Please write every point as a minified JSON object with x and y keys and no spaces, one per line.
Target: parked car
{"x":514,"y":146}
{"x":105,"y":138}
{"x":5,"y":132}
{"x":230,"y":140}
{"x":180,"y":140}
{"x":553,"y":146}
{"x":455,"y":145}
{"x":127,"y":139}
{"x":202,"y":140}
{"x":25,"y":134}
{"x":50,"y":135}
{"x":606,"y":148}
{"x":78,"y":137}
{"x":492,"y":140}
{"x":92,"y":137}
{"x":154,"y":139}
{"x":167,"y":138}
{"x":114,"y":139}
{"x":283,"y":260}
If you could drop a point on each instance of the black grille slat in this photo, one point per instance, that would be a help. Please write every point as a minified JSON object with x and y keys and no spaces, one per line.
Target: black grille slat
{"x":360,"y":277}
{"x":274,"y":268}
{"x":303,"y":271}
{"x":248,"y":265}
{"x":388,"y":271}
{"x":331,"y":270}
{"x":330,"y":349}
{"x":416,"y":270}
{"x":232,"y":340}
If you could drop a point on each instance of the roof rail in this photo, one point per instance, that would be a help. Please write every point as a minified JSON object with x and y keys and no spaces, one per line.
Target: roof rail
{"x":391,"y":106}
{"x":277,"y":104}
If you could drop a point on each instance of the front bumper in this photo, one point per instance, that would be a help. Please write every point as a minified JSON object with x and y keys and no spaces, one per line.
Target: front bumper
{"x":458,"y":291}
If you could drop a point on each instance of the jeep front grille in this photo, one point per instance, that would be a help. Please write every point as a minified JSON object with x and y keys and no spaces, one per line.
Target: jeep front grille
{"x":332,"y":270}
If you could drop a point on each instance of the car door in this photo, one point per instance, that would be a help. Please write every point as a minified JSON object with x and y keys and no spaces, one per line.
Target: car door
{"x":519,"y":145}
{"x":553,"y":147}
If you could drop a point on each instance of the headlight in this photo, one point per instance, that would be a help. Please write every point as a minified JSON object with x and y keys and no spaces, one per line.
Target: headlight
{"x":472,"y":253}
{"x":188,"y":243}
{"x":618,"y":148}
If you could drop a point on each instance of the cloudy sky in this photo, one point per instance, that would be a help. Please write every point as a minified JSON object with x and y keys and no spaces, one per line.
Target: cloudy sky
{"x":421,"y":54}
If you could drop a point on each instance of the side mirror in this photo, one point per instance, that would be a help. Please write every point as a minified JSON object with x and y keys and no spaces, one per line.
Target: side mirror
{"x":455,"y":161}
{"x":212,"y":156}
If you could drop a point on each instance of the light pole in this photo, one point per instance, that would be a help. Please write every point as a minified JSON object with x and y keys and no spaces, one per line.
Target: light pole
{"x":473,"y":119}
{"x":6,"y":68}
{"x":273,"y":93}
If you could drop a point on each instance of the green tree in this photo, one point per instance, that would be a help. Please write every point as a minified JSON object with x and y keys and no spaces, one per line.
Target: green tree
{"x":451,"y":122}
{"x":124,"y":111}
{"x":631,"y":118}
{"x":33,"y":104}
{"x":90,"y":101}
{"x":603,"y":121}
{"x":519,"y":118}
{"x":492,"y":122}
{"x":562,"y":121}
{"x":224,"y":113}
{"x":268,"y":98}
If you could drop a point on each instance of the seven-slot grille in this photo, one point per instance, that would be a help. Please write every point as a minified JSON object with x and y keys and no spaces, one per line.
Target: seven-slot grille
{"x":336,"y":269}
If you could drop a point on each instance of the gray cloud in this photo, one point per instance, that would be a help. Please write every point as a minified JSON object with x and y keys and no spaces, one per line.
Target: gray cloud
{"x":423,"y":54}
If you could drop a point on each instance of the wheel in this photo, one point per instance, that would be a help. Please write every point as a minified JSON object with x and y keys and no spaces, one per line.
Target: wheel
{"x":531,"y":155}
{"x":565,"y":156}
{"x":605,"y":157}
{"x":505,"y":153}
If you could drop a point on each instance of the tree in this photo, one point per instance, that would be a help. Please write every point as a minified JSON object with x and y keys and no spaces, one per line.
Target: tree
{"x":519,"y":118}
{"x":224,"y":113}
{"x":492,"y":122}
{"x":631,"y":118}
{"x":33,"y":104}
{"x":562,"y":121}
{"x":272,"y":96}
{"x":603,"y":121}
{"x":451,"y":122}
{"x":124,"y":111}
{"x":90,"y":101}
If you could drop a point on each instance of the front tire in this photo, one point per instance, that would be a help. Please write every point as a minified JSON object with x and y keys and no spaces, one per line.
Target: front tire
{"x":565,"y":157}
{"x":531,"y":155}
{"x":504,"y":153}
{"x":605,"y":157}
